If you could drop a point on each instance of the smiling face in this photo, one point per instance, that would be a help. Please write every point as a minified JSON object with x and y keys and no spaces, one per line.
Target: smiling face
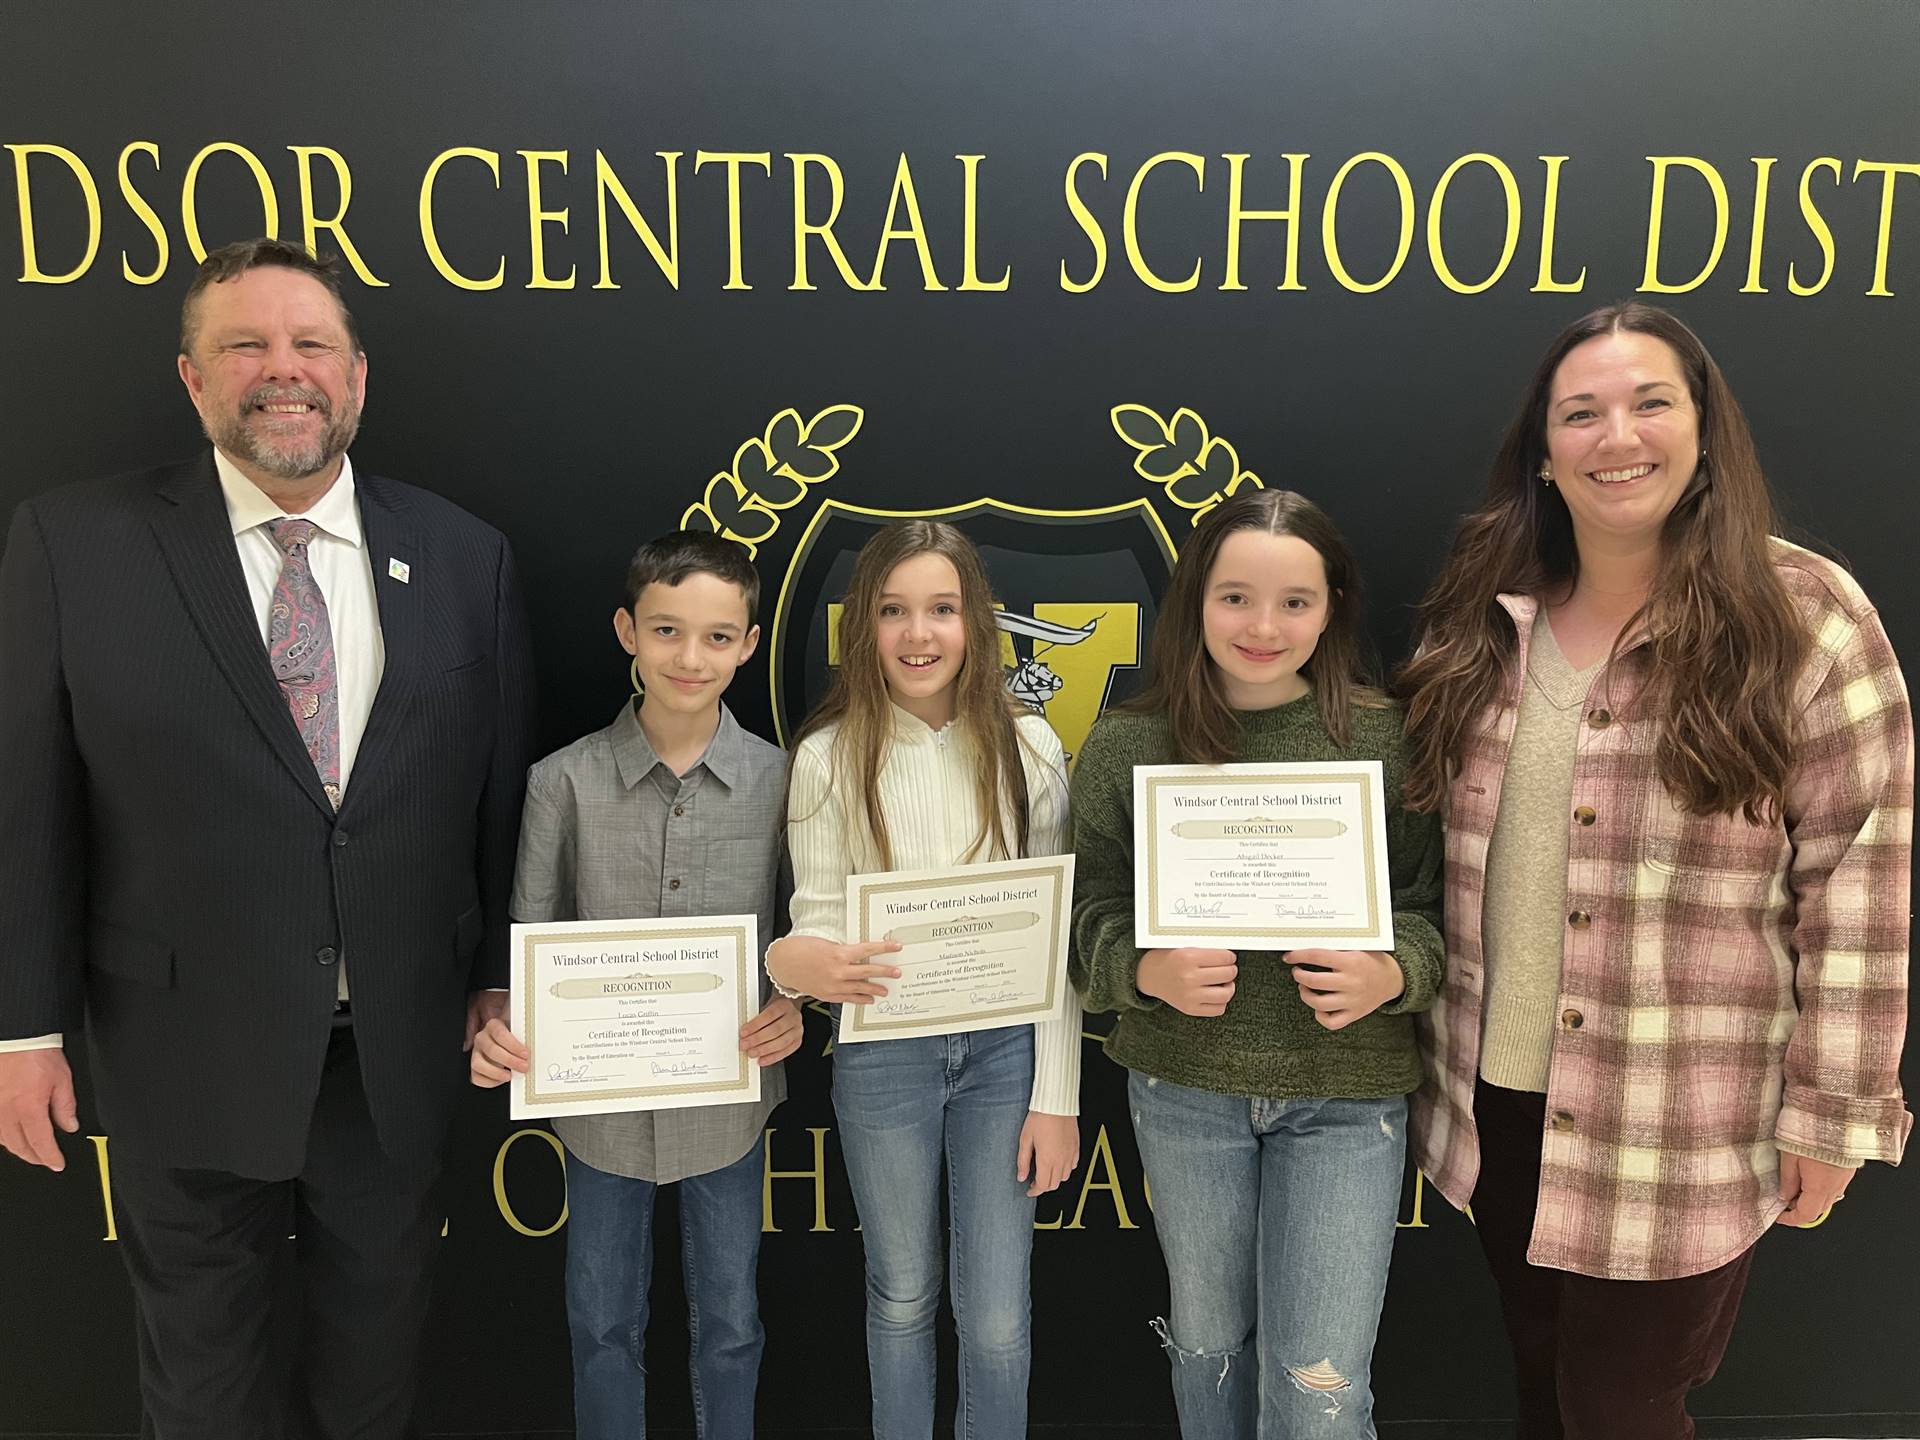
{"x":1265,"y":607}
{"x":921,"y":636}
{"x":274,"y":374}
{"x":1623,"y":436}
{"x":686,"y":641}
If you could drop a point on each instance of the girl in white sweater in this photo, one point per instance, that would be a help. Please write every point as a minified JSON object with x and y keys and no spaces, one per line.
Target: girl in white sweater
{"x":918,"y":759}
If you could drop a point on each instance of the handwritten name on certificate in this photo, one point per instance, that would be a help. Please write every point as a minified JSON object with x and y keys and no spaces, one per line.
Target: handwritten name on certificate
{"x":634,"y":1014}
{"x":1261,"y":857}
{"x":981,"y":946}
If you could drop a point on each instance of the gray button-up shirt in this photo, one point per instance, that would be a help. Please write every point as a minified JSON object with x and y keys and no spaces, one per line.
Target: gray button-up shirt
{"x":611,"y":833}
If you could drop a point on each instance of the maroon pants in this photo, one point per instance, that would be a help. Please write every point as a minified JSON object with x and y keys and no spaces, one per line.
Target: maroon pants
{"x":1595,"y":1359}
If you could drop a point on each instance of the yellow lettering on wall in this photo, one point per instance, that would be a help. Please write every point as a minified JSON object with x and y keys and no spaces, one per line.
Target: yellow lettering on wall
{"x":1436,"y":253}
{"x":1084,"y":218}
{"x":1650,"y":282}
{"x":430,"y":237}
{"x":1329,"y":221}
{"x":539,"y":218}
{"x":189,"y":189}
{"x":106,"y":1185}
{"x":1418,"y":1220}
{"x":1762,"y":180}
{"x":1891,"y":173}
{"x":803,"y":228}
{"x":1129,"y":228}
{"x":970,"y":235}
{"x":146,"y":214}
{"x":1238,"y":215}
{"x":1100,"y":1162}
{"x":30,"y":271}
{"x":1549,"y":222}
{"x":817,"y":1173}
{"x":916,"y":231}
{"x":500,"y":1182}
{"x":606,"y":183}
{"x":733,"y":160}
{"x":313,"y":224}
{"x":1817,"y":223}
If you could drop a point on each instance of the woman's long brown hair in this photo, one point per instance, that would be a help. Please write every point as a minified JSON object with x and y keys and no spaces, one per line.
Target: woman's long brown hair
{"x":1726,"y":645}
{"x":857,"y":701}
{"x":1185,"y":685}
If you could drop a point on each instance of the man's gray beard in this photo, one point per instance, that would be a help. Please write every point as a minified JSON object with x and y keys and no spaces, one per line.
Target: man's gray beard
{"x":286,"y":461}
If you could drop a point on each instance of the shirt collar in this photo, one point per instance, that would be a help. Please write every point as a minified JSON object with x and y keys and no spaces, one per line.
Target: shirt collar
{"x":249,"y":507}
{"x":634,"y":756}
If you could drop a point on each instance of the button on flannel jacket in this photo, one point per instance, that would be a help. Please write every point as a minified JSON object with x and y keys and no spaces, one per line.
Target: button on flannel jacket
{"x":1725,"y":988}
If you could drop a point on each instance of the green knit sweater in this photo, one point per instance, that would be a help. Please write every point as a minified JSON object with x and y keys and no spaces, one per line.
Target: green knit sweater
{"x":1268,"y":1042}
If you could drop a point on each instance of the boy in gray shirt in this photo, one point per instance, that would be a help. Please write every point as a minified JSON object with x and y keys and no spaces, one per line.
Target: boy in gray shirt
{"x":672,"y":810}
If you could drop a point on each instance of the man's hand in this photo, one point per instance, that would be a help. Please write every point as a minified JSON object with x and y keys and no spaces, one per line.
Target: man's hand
{"x":1810,"y":1187}
{"x":496,"y":1050}
{"x":1355,"y":983}
{"x":774,"y":1033}
{"x":1194,"y":981}
{"x":842,"y":974}
{"x":33,"y":1085}
{"x":1050,"y":1148}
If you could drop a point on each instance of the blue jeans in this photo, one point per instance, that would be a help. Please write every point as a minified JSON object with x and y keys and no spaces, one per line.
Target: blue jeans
{"x":902,"y":1106}
{"x":609,"y":1266}
{"x":1276,"y":1218}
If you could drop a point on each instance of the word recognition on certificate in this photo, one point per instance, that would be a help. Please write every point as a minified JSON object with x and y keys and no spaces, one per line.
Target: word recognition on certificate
{"x":981,"y":946}
{"x":634,"y":1014}
{"x":1261,"y":857}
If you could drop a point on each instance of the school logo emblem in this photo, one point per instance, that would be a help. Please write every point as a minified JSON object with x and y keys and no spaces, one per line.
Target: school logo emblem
{"x":1079,"y":590}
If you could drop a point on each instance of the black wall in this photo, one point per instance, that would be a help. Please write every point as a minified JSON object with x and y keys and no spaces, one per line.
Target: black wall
{"x":583,"y":420}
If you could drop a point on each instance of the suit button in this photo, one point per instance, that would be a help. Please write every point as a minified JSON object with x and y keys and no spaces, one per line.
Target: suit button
{"x":679,"y":809}
{"x":1599,"y":719}
{"x":1584,"y":814}
{"x":339,"y":839}
{"x":1579,"y":919}
{"x":673,"y":884}
{"x":1562,"y":1120}
{"x":326,"y":955}
{"x":1572,"y":1019}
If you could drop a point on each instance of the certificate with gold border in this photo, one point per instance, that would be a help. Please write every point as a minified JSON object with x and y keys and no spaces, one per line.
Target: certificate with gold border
{"x":634,"y":1014}
{"x":981,"y":947}
{"x":1261,"y":857}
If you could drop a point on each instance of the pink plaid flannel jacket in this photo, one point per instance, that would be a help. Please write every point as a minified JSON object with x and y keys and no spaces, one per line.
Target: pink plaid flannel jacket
{"x":1724,"y":987}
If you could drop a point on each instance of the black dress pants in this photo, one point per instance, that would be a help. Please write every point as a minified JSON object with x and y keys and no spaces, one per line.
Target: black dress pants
{"x":215,"y":1324}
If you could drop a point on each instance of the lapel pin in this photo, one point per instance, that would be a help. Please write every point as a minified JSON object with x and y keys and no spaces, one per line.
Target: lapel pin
{"x":399,"y":570}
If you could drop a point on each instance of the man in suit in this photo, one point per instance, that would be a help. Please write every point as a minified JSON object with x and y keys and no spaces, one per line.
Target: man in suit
{"x":266,"y":722}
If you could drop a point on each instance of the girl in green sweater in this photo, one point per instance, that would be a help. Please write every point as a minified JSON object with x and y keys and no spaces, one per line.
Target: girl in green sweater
{"x":1268,"y":1090}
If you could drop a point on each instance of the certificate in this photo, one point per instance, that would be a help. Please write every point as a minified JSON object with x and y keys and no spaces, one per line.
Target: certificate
{"x":981,"y":946}
{"x":1261,"y":857}
{"x":634,"y":1014}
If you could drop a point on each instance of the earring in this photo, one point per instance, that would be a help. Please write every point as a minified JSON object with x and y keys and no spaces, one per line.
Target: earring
{"x":1546,"y":473}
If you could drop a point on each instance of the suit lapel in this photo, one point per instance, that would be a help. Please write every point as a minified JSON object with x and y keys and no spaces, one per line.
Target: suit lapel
{"x":196,"y":536}
{"x":392,"y":534}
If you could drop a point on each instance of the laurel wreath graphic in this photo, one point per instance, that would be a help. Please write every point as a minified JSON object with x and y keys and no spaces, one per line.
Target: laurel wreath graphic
{"x":772,"y":472}
{"x":1196,"y":470}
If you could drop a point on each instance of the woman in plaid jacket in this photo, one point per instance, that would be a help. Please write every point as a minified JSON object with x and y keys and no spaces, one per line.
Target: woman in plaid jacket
{"x":1675,"y":758}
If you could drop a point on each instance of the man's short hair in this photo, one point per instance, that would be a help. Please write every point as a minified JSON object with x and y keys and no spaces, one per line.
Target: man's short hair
{"x":233,"y":260}
{"x":672,"y":558}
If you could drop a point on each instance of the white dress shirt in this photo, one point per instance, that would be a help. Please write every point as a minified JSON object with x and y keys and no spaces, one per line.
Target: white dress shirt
{"x":342,"y":569}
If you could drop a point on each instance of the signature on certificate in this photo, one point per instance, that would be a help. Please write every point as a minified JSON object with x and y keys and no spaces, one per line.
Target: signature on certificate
{"x":1306,"y":912}
{"x":1195,"y":909}
{"x":679,"y":1067}
{"x":992,"y":997}
{"x":564,"y":1073}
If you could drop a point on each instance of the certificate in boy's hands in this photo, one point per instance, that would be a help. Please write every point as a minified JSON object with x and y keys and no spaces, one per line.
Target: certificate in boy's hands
{"x":634,"y":1014}
{"x":981,"y":946}
{"x":1261,"y":857}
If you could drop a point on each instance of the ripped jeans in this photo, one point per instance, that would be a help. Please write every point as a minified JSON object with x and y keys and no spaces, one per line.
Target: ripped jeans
{"x":1277,"y":1220}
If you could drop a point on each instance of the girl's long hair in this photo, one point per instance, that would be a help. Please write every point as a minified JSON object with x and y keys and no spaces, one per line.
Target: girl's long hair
{"x":858,"y":704}
{"x":1726,"y":644}
{"x":1184,"y":684}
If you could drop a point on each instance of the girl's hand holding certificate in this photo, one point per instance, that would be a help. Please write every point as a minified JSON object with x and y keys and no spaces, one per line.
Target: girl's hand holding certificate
{"x":838,"y":974}
{"x":1194,"y":980}
{"x":1341,"y":986}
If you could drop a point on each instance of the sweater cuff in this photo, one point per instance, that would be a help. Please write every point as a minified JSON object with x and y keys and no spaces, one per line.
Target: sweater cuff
{"x":1056,"y":1064}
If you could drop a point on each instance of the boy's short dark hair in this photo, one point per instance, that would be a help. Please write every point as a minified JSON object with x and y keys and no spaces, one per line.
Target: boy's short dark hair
{"x":672,"y":558}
